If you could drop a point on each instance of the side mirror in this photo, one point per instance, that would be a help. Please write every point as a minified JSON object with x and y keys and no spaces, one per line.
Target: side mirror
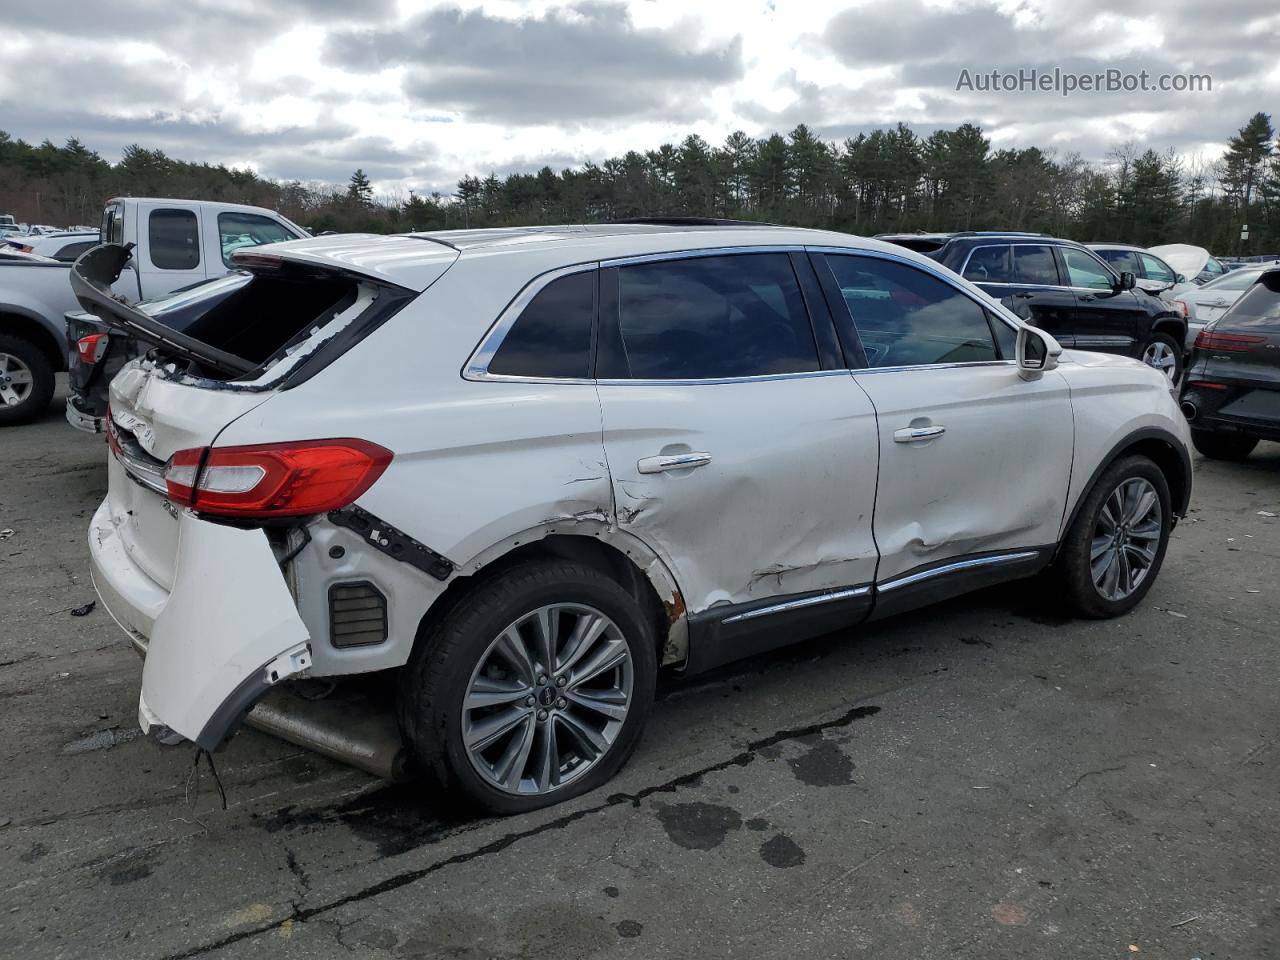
{"x":1036,"y":352}
{"x":1127,"y":281}
{"x":1182,"y":278}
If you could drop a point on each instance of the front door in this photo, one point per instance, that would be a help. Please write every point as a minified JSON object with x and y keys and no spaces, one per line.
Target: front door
{"x":748,"y":467}
{"x":974,"y":460}
{"x":1108,"y":318}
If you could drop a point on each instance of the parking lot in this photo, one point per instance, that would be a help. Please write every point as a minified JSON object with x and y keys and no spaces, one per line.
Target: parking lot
{"x":980,"y":779}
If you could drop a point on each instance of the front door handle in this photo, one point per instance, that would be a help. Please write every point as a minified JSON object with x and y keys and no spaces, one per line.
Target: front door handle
{"x":915,"y":434}
{"x":678,"y":461}
{"x":1088,"y":297}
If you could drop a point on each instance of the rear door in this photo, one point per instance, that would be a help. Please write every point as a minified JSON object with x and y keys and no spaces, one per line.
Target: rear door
{"x":169,"y":253}
{"x":739,"y":447}
{"x":974,"y":460}
{"x":1025,"y":278}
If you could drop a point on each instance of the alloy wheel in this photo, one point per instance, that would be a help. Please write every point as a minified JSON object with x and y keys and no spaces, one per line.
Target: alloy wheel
{"x":1161,"y":356}
{"x":1126,"y":538}
{"x":547,"y":699}
{"x":15,"y":380}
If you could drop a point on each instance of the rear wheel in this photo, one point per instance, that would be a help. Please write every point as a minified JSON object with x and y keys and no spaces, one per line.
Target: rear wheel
{"x":26,"y":381}
{"x":1116,"y":544}
{"x":535,"y":688}
{"x":1223,"y":446}
{"x":1164,"y":353}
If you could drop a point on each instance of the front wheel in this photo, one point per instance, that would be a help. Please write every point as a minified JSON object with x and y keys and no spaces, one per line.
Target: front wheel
{"x":534,"y":688}
{"x":1163,"y":353}
{"x":1223,"y":446}
{"x":1116,"y":543}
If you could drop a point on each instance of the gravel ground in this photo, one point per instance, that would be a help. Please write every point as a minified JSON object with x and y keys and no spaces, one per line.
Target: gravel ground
{"x":981,"y":779}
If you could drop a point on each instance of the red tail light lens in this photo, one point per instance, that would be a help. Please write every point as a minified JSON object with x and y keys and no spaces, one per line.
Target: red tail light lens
{"x":1229,"y":342}
{"x":1182,"y":307}
{"x":275,"y":479}
{"x":92,"y":348}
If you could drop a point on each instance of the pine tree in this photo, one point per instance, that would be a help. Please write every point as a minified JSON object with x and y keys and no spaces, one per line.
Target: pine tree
{"x":360,"y":189}
{"x":1247,"y":154}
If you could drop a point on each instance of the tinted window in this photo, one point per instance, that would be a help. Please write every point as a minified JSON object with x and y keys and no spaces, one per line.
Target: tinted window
{"x":1259,"y":307}
{"x":73,"y":250}
{"x":1121,"y":260}
{"x":1085,"y":271}
{"x":714,"y":317}
{"x":905,"y":317}
{"x":1034,"y":264}
{"x":989,"y":265}
{"x":238,"y":230}
{"x":173,"y":239}
{"x":552,"y":336}
{"x":1235,"y":280}
{"x":1155,"y":269}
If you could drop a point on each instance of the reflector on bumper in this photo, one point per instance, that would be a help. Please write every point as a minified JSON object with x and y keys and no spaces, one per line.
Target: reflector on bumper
{"x":228,"y":631}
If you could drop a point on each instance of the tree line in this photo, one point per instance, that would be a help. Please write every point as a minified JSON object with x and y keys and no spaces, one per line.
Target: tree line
{"x":886,"y":180}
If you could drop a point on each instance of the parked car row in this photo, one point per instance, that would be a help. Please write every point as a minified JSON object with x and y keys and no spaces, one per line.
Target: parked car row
{"x":173,"y":243}
{"x":526,"y":468}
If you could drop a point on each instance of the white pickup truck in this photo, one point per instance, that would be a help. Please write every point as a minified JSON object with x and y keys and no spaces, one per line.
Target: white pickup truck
{"x":177,"y":243}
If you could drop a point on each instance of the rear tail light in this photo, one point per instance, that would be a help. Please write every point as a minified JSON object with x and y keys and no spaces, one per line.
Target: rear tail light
{"x":1207,"y":385}
{"x":1229,"y":342}
{"x":274,"y":479}
{"x":24,"y":247}
{"x":1182,"y":308}
{"x":92,"y":348}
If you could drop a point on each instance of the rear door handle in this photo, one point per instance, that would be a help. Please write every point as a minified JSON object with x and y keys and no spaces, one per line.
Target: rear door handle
{"x":678,"y":461}
{"x":914,"y":434}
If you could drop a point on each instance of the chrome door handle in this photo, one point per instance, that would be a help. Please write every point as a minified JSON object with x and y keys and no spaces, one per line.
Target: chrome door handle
{"x":678,"y":461}
{"x":912,"y":434}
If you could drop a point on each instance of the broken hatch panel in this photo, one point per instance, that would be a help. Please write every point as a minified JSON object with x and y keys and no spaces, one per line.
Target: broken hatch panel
{"x":229,"y":631}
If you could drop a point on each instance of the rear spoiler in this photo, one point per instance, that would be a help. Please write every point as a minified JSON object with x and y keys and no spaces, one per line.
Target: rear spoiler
{"x":92,"y":275}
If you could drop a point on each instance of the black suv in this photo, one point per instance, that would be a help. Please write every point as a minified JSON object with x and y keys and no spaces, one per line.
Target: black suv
{"x":1064,"y":288}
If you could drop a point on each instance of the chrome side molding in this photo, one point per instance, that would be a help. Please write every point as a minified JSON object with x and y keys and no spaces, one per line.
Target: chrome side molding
{"x":798,"y":604}
{"x":995,"y":560}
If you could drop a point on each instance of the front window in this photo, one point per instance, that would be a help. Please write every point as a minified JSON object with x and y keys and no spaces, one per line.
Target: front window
{"x":1085,"y":270}
{"x":905,"y":317}
{"x":237,"y":230}
{"x":1213,"y":266}
{"x":712,"y":318}
{"x":1121,"y":261}
{"x":1156,"y":269}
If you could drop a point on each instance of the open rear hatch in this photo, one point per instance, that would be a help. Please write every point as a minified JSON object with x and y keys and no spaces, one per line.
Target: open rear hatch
{"x":205,"y":598}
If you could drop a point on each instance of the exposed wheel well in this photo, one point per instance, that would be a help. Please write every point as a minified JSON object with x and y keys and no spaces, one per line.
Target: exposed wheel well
{"x":1176,"y":327}
{"x":585,"y":550}
{"x":33,"y":331}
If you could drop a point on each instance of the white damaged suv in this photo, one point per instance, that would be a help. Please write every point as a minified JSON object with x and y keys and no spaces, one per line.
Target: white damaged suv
{"x":529,"y":467}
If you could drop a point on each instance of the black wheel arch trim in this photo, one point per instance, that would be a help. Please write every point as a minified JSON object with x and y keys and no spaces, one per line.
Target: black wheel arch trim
{"x":1181,"y":493}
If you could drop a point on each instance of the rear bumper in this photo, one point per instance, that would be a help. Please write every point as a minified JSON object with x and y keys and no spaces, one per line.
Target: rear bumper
{"x":85,"y":422}
{"x":216,"y":643}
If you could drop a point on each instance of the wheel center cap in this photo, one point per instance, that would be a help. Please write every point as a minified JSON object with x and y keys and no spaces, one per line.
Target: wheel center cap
{"x":547,"y":696}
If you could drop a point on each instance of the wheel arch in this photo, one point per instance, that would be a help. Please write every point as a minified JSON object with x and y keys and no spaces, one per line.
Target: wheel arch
{"x":623,"y":557}
{"x":1161,"y":447}
{"x":1171,"y":324}
{"x":33,"y":330}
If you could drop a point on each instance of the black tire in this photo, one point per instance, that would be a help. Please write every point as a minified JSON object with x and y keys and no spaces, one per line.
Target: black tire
{"x":1073,"y":568}
{"x":35,"y":400}
{"x":1223,"y":446}
{"x":435,"y":681}
{"x":1175,"y":376}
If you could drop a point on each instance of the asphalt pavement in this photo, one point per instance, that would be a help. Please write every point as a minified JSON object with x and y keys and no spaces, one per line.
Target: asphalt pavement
{"x":981,"y":779}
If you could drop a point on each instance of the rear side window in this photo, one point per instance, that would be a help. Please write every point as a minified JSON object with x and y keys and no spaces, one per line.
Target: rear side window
{"x":1034,"y":264}
{"x":174,"y":239}
{"x":713,"y":317}
{"x":905,"y":317}
{"x":552,"y":336}
{"x":1121,"y":260}
{"x":989,"y":265}
{"x":236,"y":230}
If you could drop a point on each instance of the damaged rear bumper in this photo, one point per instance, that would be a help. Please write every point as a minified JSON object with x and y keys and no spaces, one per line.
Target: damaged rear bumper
{"x":226,"y":633}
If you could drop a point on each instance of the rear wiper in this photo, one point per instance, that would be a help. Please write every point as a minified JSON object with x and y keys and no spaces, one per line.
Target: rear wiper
{"x":92,"y":275}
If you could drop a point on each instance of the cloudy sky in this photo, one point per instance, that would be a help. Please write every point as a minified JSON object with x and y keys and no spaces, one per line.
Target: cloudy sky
{"x":419,"y":92}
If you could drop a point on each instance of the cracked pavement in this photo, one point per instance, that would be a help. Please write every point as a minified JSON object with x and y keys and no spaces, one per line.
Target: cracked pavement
{"x":981,"y":779}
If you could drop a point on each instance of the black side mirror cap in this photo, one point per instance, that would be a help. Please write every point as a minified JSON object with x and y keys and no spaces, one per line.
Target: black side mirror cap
{"x":1127,"y":280}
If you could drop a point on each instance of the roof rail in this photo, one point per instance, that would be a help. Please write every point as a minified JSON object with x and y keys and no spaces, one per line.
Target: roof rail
{"x":1000,"y":233}
{"x":690,"y":222}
